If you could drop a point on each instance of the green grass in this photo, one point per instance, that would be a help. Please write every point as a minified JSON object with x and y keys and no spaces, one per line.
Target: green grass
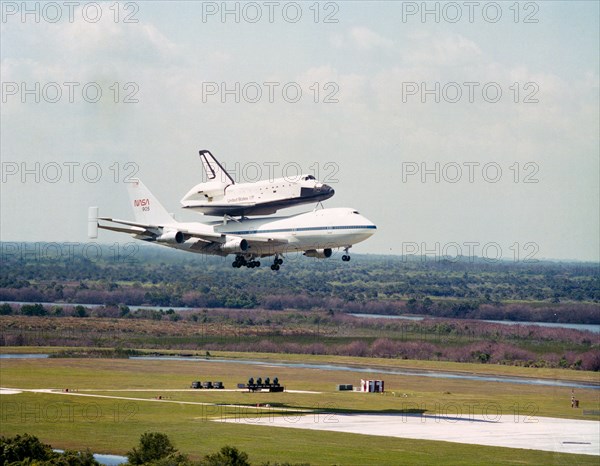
{"x":445,"y":366}
{"x":115,"y":427}
{"x":112,"y":425}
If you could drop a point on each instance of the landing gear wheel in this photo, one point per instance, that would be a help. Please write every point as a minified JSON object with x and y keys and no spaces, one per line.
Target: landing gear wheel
{"x":279,"y":261}
{"x":257,"y":263}
{"x":346,"y":256}
{"x":275,"y":267}
{"x":239,"y":261}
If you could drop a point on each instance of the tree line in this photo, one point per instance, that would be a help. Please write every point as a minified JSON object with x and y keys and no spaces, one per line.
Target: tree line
{"x":539,"y":291}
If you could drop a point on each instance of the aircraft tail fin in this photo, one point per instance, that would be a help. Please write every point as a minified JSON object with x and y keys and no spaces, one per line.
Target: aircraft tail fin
{"x":213,"y":169}
{"x":92,"y":222}
{"x":146,"y":207}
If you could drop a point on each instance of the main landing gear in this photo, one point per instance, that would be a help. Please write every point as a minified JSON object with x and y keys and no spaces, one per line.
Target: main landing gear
{"x":276,"y":263}
{"x":240,"y":261}
{"x":346,"y":257}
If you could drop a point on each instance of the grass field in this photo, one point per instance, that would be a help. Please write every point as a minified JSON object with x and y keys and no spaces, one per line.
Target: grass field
{"x":113,"y":425}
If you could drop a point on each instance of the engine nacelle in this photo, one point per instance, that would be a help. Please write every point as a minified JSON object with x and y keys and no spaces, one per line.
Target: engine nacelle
{"x":172,"y":237}
{"x":319,"y":253}
{"x":234,"y":244}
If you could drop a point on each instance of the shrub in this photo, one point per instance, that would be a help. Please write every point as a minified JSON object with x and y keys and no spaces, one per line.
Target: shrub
{"x":227,"y":456}
{"x":153,"y":446}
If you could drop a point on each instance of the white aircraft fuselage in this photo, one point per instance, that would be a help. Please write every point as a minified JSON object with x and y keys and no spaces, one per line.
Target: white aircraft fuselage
{"x":318,"y":230}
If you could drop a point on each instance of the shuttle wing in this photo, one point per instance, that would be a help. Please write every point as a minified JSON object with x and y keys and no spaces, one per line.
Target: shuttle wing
{"x":234,"y":210}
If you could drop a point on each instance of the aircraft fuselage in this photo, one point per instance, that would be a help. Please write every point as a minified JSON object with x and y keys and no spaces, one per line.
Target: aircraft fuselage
{"x":317,"y":230}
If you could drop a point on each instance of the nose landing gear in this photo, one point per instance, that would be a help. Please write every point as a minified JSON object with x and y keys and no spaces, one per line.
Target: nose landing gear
{"x":276,"y":263}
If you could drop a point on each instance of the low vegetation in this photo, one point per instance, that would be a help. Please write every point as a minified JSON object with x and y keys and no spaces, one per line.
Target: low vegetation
{"x":469,"y":288}
{"x":305,"y":332}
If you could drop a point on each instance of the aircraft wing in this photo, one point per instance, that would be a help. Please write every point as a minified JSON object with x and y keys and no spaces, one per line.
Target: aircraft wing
{"x":208,"y":241}
{"x":262,"y":242}
{"x":136,"y":228}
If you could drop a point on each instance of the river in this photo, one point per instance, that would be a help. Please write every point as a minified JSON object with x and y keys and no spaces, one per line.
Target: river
{"x":585,"y":327}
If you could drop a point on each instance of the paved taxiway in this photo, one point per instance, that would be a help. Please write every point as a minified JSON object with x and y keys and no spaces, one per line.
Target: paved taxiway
{"x":533,"y":433}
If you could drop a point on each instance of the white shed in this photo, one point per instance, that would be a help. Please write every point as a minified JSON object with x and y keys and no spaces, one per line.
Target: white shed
{"x":375,"y":386}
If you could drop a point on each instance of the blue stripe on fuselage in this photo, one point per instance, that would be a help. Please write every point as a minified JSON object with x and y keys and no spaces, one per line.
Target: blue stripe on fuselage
{"x":293,"y":230}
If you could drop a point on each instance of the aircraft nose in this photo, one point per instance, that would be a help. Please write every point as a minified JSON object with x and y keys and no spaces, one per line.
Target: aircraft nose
{"x":328,"y":190}
{"x":370,"y":224}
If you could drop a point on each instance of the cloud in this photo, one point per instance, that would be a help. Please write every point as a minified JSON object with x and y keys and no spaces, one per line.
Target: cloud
{"x":452,"y":49}
{"x":366,"y":39}
{"x":337,"y":41}
{"x":360,"y":38}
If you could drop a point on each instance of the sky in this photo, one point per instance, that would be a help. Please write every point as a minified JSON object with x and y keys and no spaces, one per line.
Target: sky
{"x":457,"y":129}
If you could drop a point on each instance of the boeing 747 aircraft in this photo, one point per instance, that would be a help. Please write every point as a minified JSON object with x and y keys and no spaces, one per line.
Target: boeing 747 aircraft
{"x":314,"y":233}
{"x":221,"y":195}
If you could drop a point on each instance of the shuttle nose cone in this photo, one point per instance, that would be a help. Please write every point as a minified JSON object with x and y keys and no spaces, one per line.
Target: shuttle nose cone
{"x":327,"y":191}
{"x":318,"y":193}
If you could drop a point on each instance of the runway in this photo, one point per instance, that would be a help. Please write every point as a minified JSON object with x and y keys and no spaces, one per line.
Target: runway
{"x":532,"y":433}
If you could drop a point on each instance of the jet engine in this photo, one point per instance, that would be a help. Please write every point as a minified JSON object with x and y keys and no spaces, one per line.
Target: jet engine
{"x":171,"y":236}
{"x":318,"y":253}
{"x":234,"y":244}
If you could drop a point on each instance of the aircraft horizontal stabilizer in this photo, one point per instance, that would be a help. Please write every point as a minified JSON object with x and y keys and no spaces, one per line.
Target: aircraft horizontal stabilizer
{"x":131,"y":230}
{"x":127,"y":222}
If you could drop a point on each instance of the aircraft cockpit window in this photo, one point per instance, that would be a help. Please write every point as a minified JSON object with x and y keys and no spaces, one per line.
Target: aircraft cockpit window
{"x":309,"y":177}
{"x":355,"y":212}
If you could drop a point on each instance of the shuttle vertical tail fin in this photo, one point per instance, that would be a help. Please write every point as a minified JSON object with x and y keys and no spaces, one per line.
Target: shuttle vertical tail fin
{"x":213,"y":169}
{"x":146,"y":207}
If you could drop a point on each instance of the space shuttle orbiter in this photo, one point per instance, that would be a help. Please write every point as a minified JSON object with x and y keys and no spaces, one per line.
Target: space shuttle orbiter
{"x":221,"y":195}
